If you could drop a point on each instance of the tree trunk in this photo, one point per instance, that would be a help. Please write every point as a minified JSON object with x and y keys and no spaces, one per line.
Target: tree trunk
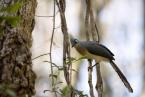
{"x":16,"y":75}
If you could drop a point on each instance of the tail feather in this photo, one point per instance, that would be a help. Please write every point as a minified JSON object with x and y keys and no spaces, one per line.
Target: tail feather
{"x":122,"y":77}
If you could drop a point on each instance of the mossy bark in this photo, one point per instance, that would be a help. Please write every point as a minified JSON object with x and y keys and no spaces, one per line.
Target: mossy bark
{"x":16,"y":72}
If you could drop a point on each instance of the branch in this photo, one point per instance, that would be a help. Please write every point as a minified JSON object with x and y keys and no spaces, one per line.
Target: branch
{"x":97,"y":30}
{"x":52,"y":36}
{"x":99,"y":85}
{"x":90,"y":69}
{"x":40,"y":56}
{"x":87,"y":21}
{"x":89,"y":12}
{"x":66,"y":46}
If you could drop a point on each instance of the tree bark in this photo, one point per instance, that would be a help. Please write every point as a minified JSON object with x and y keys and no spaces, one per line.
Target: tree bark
{"x":15,"y":56}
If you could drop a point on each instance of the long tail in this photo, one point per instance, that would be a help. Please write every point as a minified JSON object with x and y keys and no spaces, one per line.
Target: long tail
{"x":122,"y":77}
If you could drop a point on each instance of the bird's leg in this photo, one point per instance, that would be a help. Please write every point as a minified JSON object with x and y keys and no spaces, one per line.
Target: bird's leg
{"x":99,"y":84}
{"x":90,"y":67}
{"x":94,"y":65}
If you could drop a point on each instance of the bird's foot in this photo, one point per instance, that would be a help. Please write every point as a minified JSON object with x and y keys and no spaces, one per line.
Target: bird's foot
{"x":91,"y":67}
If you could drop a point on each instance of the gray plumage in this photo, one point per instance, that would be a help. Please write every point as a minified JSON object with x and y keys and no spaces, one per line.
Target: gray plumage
{"x":96,"y":49}
{"x":122,"y":77}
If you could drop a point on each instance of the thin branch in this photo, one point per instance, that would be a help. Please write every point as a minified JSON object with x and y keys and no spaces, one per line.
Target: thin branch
{"x":52,"y":91}
{"x":66,"y":46}
{"x":97,"y":30}
{"x":59,"y":67}
{"x":51,"y":63}
{"x":66,"y":74}
{"x":40,"y":56}
{"x":78,"y":59}
{"x":90,"y":70}
{"x":89,"y":12}
{"x":52,"y":79}
{"x":54,"y":65}
{"x":92,"y":20}
{"x":65,"y":40}
{"x":99,"y":85}
{"x":87,"y":21}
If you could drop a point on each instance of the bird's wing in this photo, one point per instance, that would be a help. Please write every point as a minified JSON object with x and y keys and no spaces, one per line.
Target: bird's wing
{"x":107,"y":49}
{"x":97,"y":49}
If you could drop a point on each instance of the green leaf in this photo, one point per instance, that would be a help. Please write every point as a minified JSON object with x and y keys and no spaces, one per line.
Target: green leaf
{"x":13,"y":20}
{"x":64,"y":91}
{"x":12,"y":8}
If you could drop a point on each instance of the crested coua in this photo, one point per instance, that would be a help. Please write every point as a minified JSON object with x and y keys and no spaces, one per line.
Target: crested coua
{"x":98,"y":52}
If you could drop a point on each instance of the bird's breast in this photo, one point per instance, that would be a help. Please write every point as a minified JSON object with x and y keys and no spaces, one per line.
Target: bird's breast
{"x":81,"y":50}
{"x":88,"y":55}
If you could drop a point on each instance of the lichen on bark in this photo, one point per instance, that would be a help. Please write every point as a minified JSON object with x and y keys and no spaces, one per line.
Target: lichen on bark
{"x":16,"y":71}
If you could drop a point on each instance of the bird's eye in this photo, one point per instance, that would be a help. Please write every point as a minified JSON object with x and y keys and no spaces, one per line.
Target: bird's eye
{"x":76,"y":41}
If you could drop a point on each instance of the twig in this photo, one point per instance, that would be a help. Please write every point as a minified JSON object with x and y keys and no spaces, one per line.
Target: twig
{"x":51,"y":91}
{"x":40,"y":56}
{"x":58,"y":67}
{"x":97,"y":30}
{"x":52,"y":79}
{"x":78,"y":59}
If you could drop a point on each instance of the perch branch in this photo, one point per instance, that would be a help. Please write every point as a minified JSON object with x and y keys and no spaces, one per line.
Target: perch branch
{"x":90,"y":70}
{"x":66,"y":46}
{"x":91,"y":21}
{"x":87,"y":23}
{"x":99,"y":85}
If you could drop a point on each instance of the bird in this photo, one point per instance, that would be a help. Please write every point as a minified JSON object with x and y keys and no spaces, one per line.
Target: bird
{"x":99,"y":52}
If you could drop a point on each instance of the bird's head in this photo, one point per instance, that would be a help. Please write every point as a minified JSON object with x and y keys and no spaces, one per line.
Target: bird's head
{"x":74,"y":42}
